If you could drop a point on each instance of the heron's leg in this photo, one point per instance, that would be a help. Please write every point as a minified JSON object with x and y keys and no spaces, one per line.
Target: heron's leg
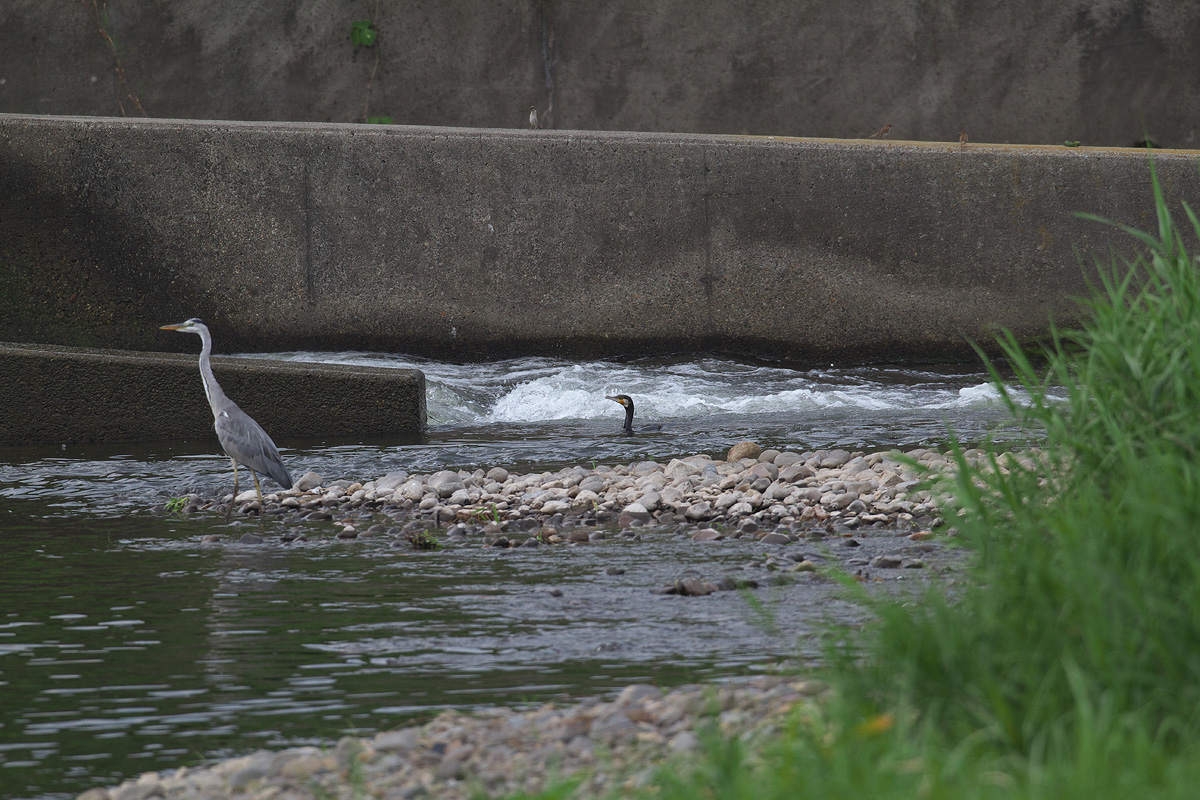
{"x":229,"y":510}
{"x":258,"y":489}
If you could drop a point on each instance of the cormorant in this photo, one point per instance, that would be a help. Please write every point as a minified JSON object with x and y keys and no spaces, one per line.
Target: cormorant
{"x":627,"y":401}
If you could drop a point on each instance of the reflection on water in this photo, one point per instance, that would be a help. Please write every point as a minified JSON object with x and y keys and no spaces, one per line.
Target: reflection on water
{"x":126,"y":645}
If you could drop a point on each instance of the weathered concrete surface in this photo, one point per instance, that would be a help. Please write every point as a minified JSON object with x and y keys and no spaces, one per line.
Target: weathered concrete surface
{"x":63,"y":394}
{"x":468,"y":244}
{"x":1023,"y":71}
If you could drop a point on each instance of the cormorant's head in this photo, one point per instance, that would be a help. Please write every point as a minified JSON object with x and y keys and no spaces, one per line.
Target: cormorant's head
{"x":623,"y":399}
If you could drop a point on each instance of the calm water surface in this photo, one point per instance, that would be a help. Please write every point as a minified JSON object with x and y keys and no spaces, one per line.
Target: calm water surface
{"x":126,"y":645}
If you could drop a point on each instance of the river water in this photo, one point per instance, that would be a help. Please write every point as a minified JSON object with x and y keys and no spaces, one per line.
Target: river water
{"x":127,"y":645}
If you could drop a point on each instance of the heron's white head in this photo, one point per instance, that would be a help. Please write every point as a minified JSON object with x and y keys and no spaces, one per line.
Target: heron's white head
{"x":192,"y":325}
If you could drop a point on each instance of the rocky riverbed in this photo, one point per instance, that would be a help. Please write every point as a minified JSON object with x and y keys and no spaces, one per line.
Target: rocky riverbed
{"x":750,"y":492}
{"x":806,"y":513}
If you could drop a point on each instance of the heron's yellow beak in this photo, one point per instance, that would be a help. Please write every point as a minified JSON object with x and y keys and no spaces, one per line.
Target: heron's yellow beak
{"x":174,"y":327}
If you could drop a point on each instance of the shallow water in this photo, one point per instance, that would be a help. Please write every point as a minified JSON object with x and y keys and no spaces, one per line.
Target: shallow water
{"x":127,"y":645}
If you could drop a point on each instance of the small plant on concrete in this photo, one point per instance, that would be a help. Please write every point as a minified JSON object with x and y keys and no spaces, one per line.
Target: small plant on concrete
{"x":363,"y":33}
{"x":99,"y":15}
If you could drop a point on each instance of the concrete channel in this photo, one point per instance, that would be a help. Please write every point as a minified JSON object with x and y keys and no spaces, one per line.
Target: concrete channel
{"x":483,"y":243}
{"x":55,"y":394}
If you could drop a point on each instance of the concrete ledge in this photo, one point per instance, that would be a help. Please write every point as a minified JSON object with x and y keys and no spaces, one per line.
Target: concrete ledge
{"x":466,"y":244}
{"x":61,"y":394}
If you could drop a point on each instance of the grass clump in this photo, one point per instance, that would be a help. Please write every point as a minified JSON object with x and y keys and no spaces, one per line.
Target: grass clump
{"x":1085,"y":606}
{"x":1069,"y":666}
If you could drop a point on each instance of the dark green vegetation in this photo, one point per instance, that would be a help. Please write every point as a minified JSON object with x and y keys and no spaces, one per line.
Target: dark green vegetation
{"x":1069,"y":666}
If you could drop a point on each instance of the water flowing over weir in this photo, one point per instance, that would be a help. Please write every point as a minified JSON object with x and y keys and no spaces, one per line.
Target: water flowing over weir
{"x":552,"y":412}
{"x":127,"y":644}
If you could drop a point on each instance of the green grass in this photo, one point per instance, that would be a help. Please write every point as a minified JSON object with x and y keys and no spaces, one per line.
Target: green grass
{"x":1069,"y":664}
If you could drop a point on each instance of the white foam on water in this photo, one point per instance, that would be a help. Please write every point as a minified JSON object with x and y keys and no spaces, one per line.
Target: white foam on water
{"x":531,"y":390}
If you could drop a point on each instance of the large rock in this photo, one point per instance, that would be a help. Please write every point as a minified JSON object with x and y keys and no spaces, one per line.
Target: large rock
{"x":636,"y":511}
{"x":308,"y":482}
{"x":446,"y":482}
{"x":411,"y":490}
{"x":391,"y":481}
{"x":743,"y":450}
{"x":592,"y":483}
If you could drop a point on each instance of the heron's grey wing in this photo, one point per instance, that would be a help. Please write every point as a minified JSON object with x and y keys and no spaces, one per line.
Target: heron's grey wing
{"x":247,"y":443}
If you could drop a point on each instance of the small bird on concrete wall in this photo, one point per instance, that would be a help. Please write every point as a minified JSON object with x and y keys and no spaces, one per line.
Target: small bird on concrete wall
{"x":881,"y":133}
{"x":962,"y":138}
{"x":533,"y":120}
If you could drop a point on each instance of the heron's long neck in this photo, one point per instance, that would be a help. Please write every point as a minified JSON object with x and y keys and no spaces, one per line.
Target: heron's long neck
{"x":212,"y":389}
{"x":629,"y":417}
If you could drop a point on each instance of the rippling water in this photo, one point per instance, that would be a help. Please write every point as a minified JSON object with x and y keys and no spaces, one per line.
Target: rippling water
{"x":546,"y":413}
{"x":127,"y":645}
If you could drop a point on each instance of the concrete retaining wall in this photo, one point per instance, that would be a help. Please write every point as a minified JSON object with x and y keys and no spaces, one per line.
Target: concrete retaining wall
{"x":470,"y":243}
{"x":59,"y":394}
{"x":1025,"y":71}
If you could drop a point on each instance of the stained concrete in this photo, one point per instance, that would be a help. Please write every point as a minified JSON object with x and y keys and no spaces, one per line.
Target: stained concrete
{"x":1023,"y":71}
{"x":464,"y":244}
{"x":56,"y":394}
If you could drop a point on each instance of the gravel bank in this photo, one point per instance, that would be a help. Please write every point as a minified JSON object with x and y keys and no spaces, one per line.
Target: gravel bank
{"x":751,"y":492}
{"x":610,"y":744}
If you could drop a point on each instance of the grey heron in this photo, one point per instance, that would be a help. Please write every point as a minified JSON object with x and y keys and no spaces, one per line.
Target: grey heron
{"x":627,"y":401}
{"x":242,"y":439}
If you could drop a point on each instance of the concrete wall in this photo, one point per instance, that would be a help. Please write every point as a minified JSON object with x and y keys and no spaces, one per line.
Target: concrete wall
{"x":471,"y":244}
{"x":61,"y":394}
{"x":1023,"y":71}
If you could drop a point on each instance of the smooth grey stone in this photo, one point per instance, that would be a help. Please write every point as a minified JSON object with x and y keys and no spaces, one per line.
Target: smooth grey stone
{"x":445,"y":482}
{"x":308,"y":482}
{"x":391,"y":481}
{"x":245,"y":776}
{"x":786,"y":459}
{"x":796,"y":471}
{"x":768,"y":456}
{"x":411,"y":490}
{"x":765,"y":470}
{"x":401,"y":741}
{"x":834,"y":459}
{"x":593,"y":483}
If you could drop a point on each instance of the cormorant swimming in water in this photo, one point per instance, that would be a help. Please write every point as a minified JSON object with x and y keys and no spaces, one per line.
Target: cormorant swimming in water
{"x":627,"y":401}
